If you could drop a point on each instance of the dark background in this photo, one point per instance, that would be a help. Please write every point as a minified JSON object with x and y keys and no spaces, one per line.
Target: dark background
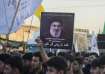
{"x":101,"y":41}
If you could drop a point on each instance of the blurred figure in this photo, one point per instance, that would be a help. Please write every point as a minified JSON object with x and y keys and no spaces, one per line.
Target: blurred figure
{"x":27,"y":62}
{"x":95,"y":67}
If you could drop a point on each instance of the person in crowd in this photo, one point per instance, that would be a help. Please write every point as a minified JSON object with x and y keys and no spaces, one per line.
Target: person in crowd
{"x":37,"y":63}
{"x":27,"y":59}
{"x":13,"y":65}
{"x":32,"y":63}
{"x":94,"y":69}
{"x":76,"y":66}
{"x":86,"y":64}
{"x":56,"y":65}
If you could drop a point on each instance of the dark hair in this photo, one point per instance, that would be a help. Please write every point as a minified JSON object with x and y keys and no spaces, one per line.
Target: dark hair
{"x":59,"y":63}
{"x":15,"y":62}
{"x":53,"y":19}
{"x":61,"y":54}
{"x":51,"y":54}
{"x":95,"y":63}
{"x":27,"y":56}
{"x":4,"y":56}
{"x":38,"y":54}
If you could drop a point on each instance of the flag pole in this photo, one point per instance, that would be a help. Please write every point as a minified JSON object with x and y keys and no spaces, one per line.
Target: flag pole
{"x":12,"y":24}
{"x":29,"y":29}
{"x":24,"y":45}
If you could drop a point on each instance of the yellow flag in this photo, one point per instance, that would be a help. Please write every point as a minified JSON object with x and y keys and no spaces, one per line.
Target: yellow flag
{"x":39,"y":10}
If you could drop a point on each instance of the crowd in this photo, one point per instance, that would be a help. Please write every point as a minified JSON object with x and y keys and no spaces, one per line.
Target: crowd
{"x":51,"y":63}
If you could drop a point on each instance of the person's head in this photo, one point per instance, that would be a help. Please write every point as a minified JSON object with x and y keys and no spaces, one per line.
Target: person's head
{"x":56,"y":65}
{"x":36,"y":59}
{"x":7,"y":69}
{"x":56,"y":26}
{"x":27,"y":58}
{"x":77,"y":64}
{"x":95,"y":67}
{"x":13,"y":65}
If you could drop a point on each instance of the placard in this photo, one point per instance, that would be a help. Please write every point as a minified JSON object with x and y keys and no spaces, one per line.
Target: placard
{"x":56,"y":30}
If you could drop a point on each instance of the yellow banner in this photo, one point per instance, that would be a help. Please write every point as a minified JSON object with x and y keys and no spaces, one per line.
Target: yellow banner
{"x":39,"y":10}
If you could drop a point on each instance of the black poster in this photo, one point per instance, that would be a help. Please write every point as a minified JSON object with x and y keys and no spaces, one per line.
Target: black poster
{"x":56,"y":30}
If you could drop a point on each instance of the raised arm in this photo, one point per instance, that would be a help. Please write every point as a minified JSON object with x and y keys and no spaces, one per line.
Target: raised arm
{"x":42,"y":50}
